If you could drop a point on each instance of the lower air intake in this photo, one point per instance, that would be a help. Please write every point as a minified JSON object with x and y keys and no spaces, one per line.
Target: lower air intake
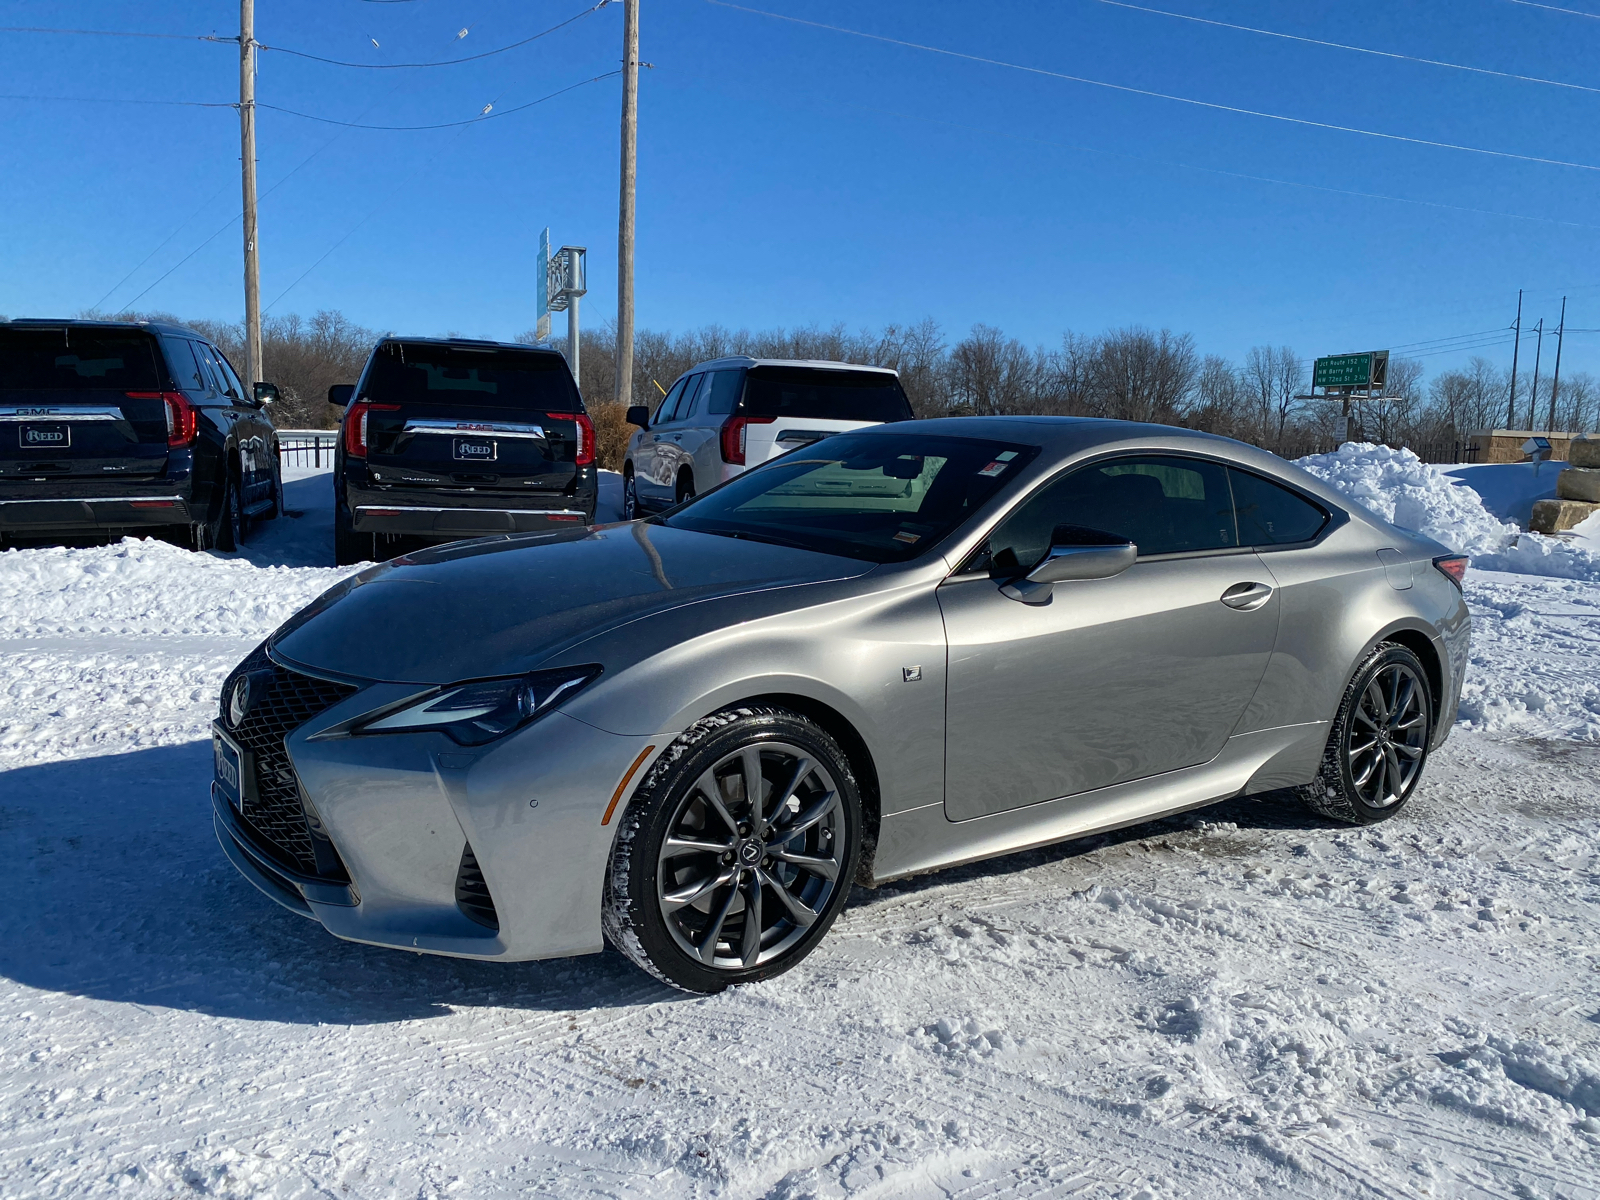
{"x":472,"y":893}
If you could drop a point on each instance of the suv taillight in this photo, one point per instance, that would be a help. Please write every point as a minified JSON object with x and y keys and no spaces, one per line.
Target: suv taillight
{"x":355,"y":425}
{"x":586,"y":447}
{"x":182,"y":419}
{"x":733,"y":437}
{"x":1453,"y":565}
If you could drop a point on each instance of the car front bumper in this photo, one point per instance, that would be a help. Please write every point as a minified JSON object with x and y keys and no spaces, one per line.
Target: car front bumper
{"x":401,"y":810}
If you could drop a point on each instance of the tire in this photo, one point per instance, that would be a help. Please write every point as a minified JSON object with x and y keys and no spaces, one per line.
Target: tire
{"x":1378,"y":746}
{"x":630,"y":496}
{"x":685,"y":487}
{"x":277,"y":509}
{"x":349,"y":547}
{"x":765,"y":896}
{"x":225,"y":531}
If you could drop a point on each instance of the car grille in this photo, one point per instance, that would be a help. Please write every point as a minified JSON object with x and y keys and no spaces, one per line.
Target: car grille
{"x":472,"y":893}
{"x":275,"y":814}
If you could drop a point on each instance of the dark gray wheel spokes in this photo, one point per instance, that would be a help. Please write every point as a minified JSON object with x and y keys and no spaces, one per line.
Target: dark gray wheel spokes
{"x":752,"y":856}
{"x":1388,"y":735}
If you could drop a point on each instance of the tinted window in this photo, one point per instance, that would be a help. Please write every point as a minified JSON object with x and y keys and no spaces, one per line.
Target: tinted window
{"x":68,"y":359}
{"x":724,"y":393}
{"x":219,"y":377}
{"x":438,"y":375}
{"x":691,"y":394}
{"x":871,"y":496}
{"x":1164,"y":505}
{"x":664,"y":409}
{"x":185,"y":370}
{"x":1270,"y":515}
{"x":825,"y":395}
{"x":230,"y":374}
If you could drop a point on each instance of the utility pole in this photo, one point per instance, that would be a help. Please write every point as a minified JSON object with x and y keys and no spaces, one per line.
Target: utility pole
{"x":1516,"y":345}
{"x":1555,"y":383}
{"x":1533,"y":400}
{"x":247,"y":155}
{"x":630,"y":146}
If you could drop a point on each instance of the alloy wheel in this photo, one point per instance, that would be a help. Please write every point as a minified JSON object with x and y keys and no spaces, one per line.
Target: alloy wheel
{"x":752,"y":857}
{"x":630,"y":498}
{"x":1388,"y":735}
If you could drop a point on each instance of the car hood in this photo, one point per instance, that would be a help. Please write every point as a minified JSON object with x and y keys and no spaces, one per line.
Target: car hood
{"x":498,"y":606}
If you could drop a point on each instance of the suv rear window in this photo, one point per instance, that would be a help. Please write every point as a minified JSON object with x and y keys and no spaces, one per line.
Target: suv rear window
{"x":825,"y":395}
{"x":67,"y":359}
{"x":424,"y":373}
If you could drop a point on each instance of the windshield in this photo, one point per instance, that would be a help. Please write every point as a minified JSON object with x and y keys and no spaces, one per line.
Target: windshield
{"x":72,"y":359}
{"x":824,"y":394}
{"x":877,"y":496}
{"x":428,"y":373}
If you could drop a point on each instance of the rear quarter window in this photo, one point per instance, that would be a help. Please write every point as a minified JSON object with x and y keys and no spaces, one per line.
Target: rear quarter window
{"x":1270,"y":515}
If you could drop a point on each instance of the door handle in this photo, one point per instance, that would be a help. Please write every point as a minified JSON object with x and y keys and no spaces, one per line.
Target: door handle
{"x":1247,"y":597}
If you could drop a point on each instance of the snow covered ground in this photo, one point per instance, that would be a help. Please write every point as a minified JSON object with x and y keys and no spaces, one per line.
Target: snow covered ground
{"x":1243,"y":1001}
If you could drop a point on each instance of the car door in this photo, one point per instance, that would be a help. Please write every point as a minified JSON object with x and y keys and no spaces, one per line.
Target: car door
{"x":669,"y":441}
{"x":1114,"y":679}
{"x":255,"y":441}
{"x":230,"y":412}
{"x":646,"y":473}
{"x":702,"y":439}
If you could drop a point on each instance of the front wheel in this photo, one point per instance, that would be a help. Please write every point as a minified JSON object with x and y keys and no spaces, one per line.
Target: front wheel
{"x":1379,"y":742}
{"x":630,"y":497}
{"x":737,"y":852}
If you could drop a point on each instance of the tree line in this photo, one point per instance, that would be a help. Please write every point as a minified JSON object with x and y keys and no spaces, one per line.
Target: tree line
{"x":1132,"y":373}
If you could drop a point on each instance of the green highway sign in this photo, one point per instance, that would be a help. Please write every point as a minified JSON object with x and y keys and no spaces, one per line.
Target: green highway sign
{"x":1342,"y":371}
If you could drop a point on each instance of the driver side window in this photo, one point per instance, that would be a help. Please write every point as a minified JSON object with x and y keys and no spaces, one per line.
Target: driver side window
{"x":663,"y":412}
{"x":1164,"y":504}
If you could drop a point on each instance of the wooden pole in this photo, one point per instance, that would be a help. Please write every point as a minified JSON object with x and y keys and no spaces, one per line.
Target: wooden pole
{"x":1555,"y":383}
{"x":247,"y":157}
{"x":630,"y":143}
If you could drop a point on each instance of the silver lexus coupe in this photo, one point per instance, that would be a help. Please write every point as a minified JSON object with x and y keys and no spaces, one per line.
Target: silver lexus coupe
{"x":891,"y":651}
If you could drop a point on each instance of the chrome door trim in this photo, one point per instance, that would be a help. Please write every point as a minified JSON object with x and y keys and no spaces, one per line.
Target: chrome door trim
{"x":93,"y":499}
{"x":534,"y":433}
{"x":11,"y":413}
{"x":1248,"y":596}
{"x":380,"y":509}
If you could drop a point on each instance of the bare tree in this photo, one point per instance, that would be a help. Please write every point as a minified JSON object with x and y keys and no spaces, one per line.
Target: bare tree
{"x":1140,"y":375}
{"x":1273,"y":378}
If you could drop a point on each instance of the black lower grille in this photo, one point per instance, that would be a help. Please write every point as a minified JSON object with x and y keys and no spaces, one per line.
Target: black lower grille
{"x":281,"y":702}
{"x":472,"y":893}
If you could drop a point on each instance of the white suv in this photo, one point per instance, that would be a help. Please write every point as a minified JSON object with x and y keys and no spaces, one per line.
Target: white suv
{"x":724,"y":416}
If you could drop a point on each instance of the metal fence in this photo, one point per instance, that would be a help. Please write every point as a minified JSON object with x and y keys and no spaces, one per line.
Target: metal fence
{"x":307,"y":447}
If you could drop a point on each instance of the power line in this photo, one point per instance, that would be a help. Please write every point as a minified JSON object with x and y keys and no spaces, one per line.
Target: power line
{"x":121,"y":100}
{"x":1311,"y":41}
{"x":1554,"y":8}
{"x":484,"y":116}
{"x":448,"y":62}
{"x":1120,"y":87}
{"x":182,"y":37}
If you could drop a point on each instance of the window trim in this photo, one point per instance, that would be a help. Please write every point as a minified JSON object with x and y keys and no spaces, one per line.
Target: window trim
{"x":656,"y":419}
{"x":1337,"y":517}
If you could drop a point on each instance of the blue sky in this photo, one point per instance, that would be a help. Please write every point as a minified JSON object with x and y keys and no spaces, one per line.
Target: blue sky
{"x":791,"y":175}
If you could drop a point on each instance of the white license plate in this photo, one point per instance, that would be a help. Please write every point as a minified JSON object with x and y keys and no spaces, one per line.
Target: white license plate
{"x":228,"y":767}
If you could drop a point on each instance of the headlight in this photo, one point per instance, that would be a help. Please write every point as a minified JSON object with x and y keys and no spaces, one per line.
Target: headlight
{"x":479,"y":712}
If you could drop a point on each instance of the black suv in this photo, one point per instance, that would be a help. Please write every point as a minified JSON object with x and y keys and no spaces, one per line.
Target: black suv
{"x":447,"y":438}
{"x":108,"y":428}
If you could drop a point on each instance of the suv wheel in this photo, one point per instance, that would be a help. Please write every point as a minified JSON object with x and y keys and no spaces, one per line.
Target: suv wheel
{"x":685,"y":487}
{"x":630,"y":496}
{"x":225,"y":531}
{"x":737,"y":852}
{"x":349,"y":547}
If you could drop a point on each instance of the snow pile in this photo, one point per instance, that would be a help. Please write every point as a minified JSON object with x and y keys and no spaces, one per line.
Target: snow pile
{"x":1420,"y":498}
{"x":141,"y":587}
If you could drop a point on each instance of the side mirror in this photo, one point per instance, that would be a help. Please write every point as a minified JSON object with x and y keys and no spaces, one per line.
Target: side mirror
{"x":639,"y":415}
{"x":266,"y":393}
{"x":340,"y":393}
{"x":1075,"y":553}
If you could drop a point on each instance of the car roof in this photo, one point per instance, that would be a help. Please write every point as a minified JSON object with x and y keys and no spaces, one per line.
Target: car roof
{"x":825,"y":364}
{"x":164,"y":327}
{"x":470,"y":343}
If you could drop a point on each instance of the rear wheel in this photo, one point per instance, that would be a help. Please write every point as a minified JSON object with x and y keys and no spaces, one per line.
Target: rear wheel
{"x":349,"y":547}
{"x":737,"y":852}
{"x":225,"y":531}
{"x":277,"y":491}
{"x":685,"y":487}
{"x":1379,"y":743}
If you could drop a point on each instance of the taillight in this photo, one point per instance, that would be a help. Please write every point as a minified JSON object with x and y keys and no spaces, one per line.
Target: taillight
{"x":733,"y":437}
{"x":1453,"y":565}
{"x":355,"y":425}
{"x":585,"y":450}
{"x":181,"y":416}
